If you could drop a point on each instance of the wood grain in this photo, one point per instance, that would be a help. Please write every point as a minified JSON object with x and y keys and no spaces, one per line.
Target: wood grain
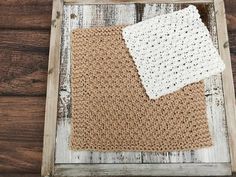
{"x":21,"y":15}
{"x":26,"y":3}
{"x":176,"y":169}
{"x":49,"y":138}
{"x":232,"y":42}
{"x":21,"y":131}
{"x":230,"y":7}
{"x":24,"y":57}
{"x":11,"y":107}
{"x":20,"y":157}
{"x":231,"y":23}
{"x":227,"y":78}
{"x":90,"y":2}
{"x":20,"y":175}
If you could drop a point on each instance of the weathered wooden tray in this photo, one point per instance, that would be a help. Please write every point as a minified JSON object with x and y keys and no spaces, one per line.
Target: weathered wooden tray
{"x":59,"y":160}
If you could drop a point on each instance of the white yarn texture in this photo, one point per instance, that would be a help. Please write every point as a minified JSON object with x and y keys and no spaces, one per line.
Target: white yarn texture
{"x":172,"y":51}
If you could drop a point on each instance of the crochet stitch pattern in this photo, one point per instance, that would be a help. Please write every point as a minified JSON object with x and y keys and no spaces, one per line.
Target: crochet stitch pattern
{"x":171,"y":51}
{"x":110,"y":109}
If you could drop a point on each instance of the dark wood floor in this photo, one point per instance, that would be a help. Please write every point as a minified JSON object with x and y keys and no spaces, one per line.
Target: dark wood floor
{"x":24,"y":47}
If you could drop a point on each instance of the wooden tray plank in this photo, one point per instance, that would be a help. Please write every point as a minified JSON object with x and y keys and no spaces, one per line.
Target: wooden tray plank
{"x":215,"y":109}
{"x":50,"y":125}
{"x":227,"y":78}
{"x":75,"y":17}
{"x":21,"y":16}
{"x":132,"y":1}
{"x":27,"y":78}
{"x":21,"y":131}
{"x":86,"y":16}
{"x":196,"y":169}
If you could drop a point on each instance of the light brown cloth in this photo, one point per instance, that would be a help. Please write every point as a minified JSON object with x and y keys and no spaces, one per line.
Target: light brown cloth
{"x":110,"y":109}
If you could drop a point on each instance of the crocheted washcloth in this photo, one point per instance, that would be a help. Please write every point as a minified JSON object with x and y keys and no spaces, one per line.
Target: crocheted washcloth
{"x":110,"y":109}
{"x":171,"y":51}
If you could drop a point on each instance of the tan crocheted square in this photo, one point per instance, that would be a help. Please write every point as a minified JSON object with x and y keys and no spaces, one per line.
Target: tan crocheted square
{"x":111,"y":111}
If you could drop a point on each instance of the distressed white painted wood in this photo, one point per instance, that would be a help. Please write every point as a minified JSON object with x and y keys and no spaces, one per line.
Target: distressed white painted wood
{"x":132,"y":1}
{"x":100,"y":15}
{"x":86,"y":16}
{"x":215,"y":112}
{"x":196,"y":169}
{"x":227,"y":77}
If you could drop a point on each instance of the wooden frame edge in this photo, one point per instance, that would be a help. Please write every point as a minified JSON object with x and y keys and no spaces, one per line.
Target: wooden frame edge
{"x":90,"y":2}
{"x":199,"y":169}
{"x":52,"y":90}
{"x":227,"y":77}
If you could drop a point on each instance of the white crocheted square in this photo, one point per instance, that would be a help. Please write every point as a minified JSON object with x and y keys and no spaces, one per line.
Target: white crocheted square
{"x":172,"y":51}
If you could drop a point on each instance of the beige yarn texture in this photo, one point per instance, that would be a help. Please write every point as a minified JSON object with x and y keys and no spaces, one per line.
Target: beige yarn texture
{"x":110,"y":108}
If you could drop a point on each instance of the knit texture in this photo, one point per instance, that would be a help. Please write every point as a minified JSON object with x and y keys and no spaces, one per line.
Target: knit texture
{"x":172,"y":51}
{"x":110,"y":109}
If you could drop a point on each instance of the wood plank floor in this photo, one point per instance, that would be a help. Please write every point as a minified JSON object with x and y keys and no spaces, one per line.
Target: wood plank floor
{"x":24,"y":47}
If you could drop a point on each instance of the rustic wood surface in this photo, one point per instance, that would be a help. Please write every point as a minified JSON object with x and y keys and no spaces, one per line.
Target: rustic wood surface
{"x":24,"y":60}
{"x":197,"y":169}
{"x":24,"y":46}
{"x":93,"y":15}
{"x":52,"y":90}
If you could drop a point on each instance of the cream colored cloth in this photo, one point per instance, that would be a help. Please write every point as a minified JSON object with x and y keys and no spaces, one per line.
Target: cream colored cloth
{"x":172,"y":51}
